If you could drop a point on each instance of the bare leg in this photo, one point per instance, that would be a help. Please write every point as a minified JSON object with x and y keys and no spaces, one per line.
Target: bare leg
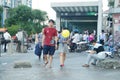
{"x":45,"y":59}
{"x":62,"y":58}
{"x":51,"y":59}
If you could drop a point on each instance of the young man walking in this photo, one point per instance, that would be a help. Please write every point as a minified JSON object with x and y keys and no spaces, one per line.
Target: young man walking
{"x":49,"y":42}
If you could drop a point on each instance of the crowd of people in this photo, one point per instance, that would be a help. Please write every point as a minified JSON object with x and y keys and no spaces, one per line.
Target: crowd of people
{"x":19,"y":39}
{"x":50,"y":40}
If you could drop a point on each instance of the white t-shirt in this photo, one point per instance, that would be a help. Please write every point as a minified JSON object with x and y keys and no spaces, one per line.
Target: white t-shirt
{"x":7,"y":36}
{"x":20,"y":35}
{"x":102,"y":36}
{"x":76,"y":38}
{"x":85,"y":37}
{"x":101,"y":55}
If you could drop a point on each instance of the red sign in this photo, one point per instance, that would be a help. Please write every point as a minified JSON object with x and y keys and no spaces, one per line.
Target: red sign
{"x":116,"y":18}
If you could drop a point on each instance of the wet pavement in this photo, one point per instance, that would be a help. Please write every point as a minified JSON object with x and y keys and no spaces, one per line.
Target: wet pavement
{"x":73,"y":69}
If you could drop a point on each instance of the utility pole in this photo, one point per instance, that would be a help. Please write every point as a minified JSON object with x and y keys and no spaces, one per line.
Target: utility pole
{"x":100,"y":17}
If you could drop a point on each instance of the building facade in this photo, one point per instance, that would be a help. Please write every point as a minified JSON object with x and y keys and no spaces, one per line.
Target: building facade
{"x":6,"y":4}
{"x":15,"y":3}
{"x":115,"y":13}
{"x":80,"y":15}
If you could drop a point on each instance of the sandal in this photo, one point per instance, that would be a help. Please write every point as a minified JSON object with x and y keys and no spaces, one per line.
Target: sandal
{"x":46,"y":63}
{"x":62,"y":65}
{"x":93,"y":64}
{"x":85,"y":65}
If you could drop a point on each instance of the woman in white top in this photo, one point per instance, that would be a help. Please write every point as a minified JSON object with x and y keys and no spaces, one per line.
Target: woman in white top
{"x":76,"y":39}
{"x":7,"y":38}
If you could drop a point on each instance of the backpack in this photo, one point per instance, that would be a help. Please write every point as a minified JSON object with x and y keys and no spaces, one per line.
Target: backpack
{"x":38,"y":49}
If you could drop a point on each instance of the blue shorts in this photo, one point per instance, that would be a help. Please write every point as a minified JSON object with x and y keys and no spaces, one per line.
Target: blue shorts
{"x":48,"y":50}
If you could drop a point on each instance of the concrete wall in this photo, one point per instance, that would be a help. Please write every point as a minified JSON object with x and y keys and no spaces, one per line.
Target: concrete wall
{"x":100,"y":15}
{"x":58,"y":21}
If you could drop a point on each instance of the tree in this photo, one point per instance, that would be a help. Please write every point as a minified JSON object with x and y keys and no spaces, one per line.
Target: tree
{"x":111,"y":3}
{"x":26,"y":18}
{"x":13,"y":29}
{"x":23,"y":14}
{"x":1,"y":11}
{"x":38,"y":18}
{"x":19,"y":15}
{"x":11,"y":20}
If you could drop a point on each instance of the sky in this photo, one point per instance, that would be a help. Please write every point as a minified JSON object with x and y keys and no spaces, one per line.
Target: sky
{"x":45,"y":5}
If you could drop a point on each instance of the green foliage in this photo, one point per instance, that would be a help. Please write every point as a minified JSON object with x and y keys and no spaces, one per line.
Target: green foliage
{"x":19,"y":15}
{"x":111,"y":3}
{"x":1,"y":10}
{"x":13,"y":29}
{"x":10,"y":22}
{"x":23,"y":14}
{"x":39,"y":15}
{"x":28,"y":19}
{"x":38,"y":29}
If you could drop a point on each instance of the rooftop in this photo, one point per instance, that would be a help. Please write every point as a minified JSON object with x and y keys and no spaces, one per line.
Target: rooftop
{"x":75,"y":7}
